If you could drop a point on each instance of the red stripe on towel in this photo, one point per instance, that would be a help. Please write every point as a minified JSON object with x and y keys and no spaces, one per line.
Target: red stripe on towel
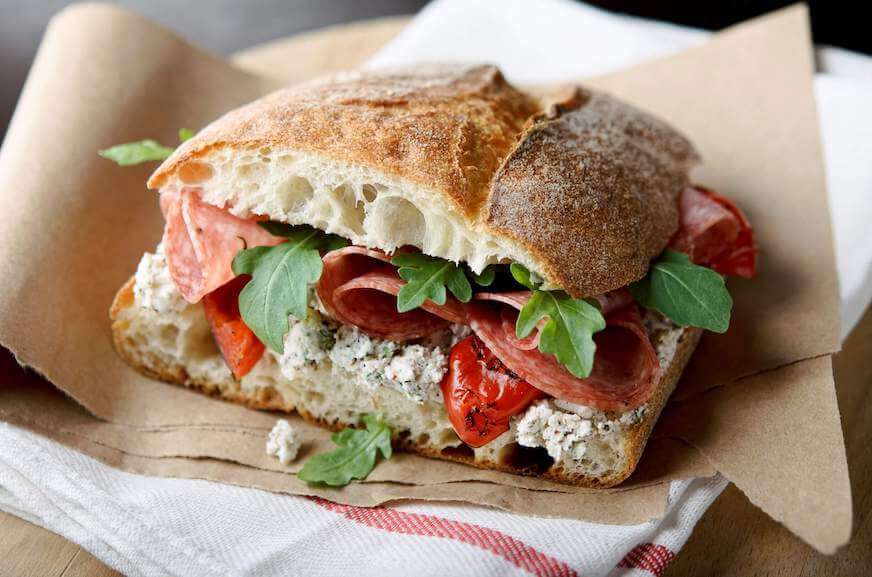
{"x":512,"y":550}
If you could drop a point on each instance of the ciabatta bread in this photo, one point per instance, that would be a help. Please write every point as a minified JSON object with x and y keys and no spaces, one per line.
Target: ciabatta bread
{"x":579,"y":187}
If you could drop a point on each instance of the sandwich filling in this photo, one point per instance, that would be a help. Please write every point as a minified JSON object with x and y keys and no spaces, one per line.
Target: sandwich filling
{"x":357,"y":374}
{"x":496,"y":351}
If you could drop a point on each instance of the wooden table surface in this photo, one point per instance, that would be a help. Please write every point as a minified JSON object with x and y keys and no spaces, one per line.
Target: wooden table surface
{"x":732,"y":538}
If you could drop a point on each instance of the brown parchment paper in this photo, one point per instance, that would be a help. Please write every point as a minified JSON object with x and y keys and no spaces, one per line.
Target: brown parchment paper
{"x":757,"y":403}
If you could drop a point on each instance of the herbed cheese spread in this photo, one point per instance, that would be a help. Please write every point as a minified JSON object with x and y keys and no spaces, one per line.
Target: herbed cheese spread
{"x":416,"y":370}
{"x":152,"y":286}
{"x":567,"y":431}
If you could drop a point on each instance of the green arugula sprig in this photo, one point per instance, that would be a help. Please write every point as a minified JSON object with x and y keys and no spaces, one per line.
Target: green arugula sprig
{"x":568,"y":332}
{"x":428,"y":277}
{"x":185,"y":134}
{"x":487,"y":276}
{"x":685,"y":293}
{"x":280,"y":278}
{"x":521,"y":274}
{"x":355,"y":456}
{"x":147,"y":150}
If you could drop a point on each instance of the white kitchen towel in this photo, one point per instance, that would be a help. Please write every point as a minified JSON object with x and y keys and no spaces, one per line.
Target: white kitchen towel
{"x":155,"y":526}
{"x":146,"y":526}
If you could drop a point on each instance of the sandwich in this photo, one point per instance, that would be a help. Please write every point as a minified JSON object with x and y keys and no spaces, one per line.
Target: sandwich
{"x":508,"y":279}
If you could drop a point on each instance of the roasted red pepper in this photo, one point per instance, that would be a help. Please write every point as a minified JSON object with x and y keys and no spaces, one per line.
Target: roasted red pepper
{"x":481,"y":394}
{"x":239,"y":346}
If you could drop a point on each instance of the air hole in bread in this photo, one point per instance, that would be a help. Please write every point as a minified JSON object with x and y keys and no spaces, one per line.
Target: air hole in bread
{"x":195,"y":172}
{"x":461,"y":452}
{"x":197,"y":343}
{"x":252,"y":172}
{"x":446,"y":437}
{"x":294,"y":193}
{"x":313,"y":398}
{"x":285,"y":160}
{"x":369,"y":193}
{"x":531,"y":459}
{"x":169,"y":332}
{"x":268,"y":395}
{"x":397,"y":221}
{"x":351,"y":213}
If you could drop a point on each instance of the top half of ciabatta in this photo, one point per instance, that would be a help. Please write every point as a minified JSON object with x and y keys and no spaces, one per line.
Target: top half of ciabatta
{"x":578,"y":186}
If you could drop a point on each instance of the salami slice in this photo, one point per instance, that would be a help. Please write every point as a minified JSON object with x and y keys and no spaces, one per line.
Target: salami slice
{"x":200,"y":241}
{"x":625,"y":372}
{"x":358,"y":287}
{"x":715,"y":233}
{"x":516,"y":300}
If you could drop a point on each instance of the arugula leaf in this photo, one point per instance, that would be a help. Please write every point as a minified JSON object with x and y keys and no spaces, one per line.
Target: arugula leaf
{"x":685,"y":293}
{"x":568,"y":334}
{"x":131,"y":153}
{"x":487,"y":276}
{"x":185,"y":134}
{"x":141,"y":151}
{"x":280,"y":277}
{"x":529,"y":279}
{"x":427,"y":277}
{"x":355,"y":456}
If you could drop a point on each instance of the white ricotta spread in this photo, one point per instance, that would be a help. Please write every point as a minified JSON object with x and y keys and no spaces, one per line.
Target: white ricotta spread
{"x":558,"y":432}
{"x":664,"y":334}
{"x":283,"y":442}
{"x":152,"y":286}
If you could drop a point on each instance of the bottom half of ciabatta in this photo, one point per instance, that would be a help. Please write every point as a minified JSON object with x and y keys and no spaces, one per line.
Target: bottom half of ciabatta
{"x":333,"y":376}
